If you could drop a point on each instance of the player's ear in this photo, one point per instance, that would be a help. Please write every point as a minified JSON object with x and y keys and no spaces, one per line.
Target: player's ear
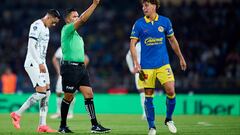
{"x":56,"y":19}
{"x":66,"y":19}
{"x":48,"y":17}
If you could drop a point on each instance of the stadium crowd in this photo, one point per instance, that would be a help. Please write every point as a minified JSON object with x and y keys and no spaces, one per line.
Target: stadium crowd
{"x":208,"y":35}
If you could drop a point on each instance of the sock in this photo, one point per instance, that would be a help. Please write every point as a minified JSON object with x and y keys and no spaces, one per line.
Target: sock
{"x":71,"y":108}
{"x":43,"y":105}
{"x":64,"y":111}
{"x":170,"y":103}
{"x":91,"y":111}
{"x":142,"y":100}
{"x":59,"y":101}
{"x":30,"y":101}
{"x":149,"y":108}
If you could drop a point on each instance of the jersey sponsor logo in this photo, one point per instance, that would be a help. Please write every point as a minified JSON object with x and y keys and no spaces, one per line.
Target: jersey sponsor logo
{"x":153,"y":41}
{"x":160,"y":29}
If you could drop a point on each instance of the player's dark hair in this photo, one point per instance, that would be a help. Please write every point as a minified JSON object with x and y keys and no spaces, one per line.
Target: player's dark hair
{"x":155,"y":2}
{"x":68,"y":11}
{"x":54,"y":13}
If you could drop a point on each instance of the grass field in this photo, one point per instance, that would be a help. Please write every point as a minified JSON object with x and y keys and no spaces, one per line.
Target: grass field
{"x":130,"y":125}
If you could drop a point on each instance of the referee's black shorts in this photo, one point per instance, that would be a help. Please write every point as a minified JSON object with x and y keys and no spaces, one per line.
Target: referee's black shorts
{"x":74,"y":75}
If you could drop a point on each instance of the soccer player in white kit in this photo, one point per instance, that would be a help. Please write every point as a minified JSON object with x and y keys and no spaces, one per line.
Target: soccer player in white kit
{"x":35,"y":66}
{"x":131,"y":68}
{"x":56,"y":60}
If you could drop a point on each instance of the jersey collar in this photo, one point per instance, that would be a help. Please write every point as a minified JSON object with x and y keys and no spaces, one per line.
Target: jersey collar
{"x":148,"y":20}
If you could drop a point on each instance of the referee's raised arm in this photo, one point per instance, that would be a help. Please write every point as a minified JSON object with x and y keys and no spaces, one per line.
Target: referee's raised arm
{"x":86,"y":14}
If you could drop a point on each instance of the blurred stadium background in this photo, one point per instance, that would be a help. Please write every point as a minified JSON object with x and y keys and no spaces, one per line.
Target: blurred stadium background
{"x":208,"y":32}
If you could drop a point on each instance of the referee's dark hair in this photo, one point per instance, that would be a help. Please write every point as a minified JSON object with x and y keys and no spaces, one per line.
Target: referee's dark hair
{"x":155,"y":2}
{"x":54,"y":13}
{"x":68,"y":11}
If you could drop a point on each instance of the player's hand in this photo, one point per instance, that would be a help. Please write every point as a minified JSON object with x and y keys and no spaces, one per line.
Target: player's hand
{"x":137,"y":67}
{"x":96,"y":2}
{"x":183,"y":64}
{"x":42,"y":68}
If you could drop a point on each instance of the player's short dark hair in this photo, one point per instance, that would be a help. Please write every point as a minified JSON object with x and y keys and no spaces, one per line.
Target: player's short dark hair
{"x":68,"y":11}
{"x":54,"y":13}
{"x":155,"y":2}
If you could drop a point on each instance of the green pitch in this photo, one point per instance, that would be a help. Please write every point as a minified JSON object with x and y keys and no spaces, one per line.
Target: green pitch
{"x":130,"y":125}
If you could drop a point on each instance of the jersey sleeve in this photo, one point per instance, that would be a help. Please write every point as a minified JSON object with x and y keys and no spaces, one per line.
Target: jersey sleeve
{"x":34,"y":32}
{"x":169,"y":30}
{"x":32,"y":50}
{"x":135,"y":31}
{"x":58,"y":53}
{"x":69,"y":28}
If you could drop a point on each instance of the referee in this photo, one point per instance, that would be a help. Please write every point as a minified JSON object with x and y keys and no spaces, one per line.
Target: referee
{"x":74,"y":74}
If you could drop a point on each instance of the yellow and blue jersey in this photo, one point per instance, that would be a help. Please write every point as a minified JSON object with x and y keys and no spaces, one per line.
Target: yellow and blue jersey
{"x":152,"y":35}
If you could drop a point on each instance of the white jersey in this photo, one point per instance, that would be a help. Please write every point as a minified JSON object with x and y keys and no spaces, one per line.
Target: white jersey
{"x":58,"y":53}
{"x":129,"y":57}
{"x":40,"y":33}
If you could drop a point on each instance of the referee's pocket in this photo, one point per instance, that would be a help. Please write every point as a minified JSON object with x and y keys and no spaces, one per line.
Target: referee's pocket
{"x":67,"y":70}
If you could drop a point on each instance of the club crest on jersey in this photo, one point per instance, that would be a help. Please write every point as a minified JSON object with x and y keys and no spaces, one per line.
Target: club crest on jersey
{"x":160,"y":29}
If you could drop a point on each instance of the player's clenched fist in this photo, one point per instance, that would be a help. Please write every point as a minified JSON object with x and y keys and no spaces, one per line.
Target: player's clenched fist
{"x":96,"y":2}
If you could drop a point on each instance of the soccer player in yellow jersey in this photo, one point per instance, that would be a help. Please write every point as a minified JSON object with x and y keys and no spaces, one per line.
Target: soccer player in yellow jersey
{"x":151,"y":31}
